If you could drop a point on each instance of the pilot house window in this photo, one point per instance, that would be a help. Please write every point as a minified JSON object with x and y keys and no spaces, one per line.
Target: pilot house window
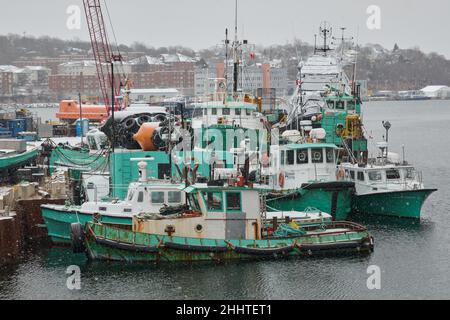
{"x":174,"y":197}
{"x":375,"y":176}
{"x":234,"y":201}
{"x":302,"y":156}
{"x":214,"y":201}
{"x":140,"y":197}
{"x":290,"y":157}
{"x":158,"y":197}
{"x":361,"y":176}
{"x":392,"y":174}
{"x":317,"y":155}
{"x":330,"y":155}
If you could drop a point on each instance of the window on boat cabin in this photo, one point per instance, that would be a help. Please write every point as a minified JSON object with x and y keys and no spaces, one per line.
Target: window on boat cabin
{"x":340,"y":105}
{"x":351,"y":105}
{"x":214,"y":111}
{"x":140,"y":198}
{"x":290,"y":157}
{"x":392,"y":174}
{"x":249,"y":112}
{"x":361,"y":176}
{"x":410,"y":173}
{"x":352,"y":175}
{"x":193,"y":202}
{"x":375,"y":176}
{"x":214,"y":201}
{"x":226,"y":111}
{"x":157,"y":197}
{"x":330,"y":155}
{"x":282,"y":157}
{"x":234,"y":201}
{"x":317,"y":155}
{"x":330,"y":104}
{"x":237,"y":112}
{"x":174,"y":197}
{"x":302,"y":156}
{"x":130,"y":195}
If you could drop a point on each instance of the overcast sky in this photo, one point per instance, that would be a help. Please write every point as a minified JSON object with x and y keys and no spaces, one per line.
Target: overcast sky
{"x":201,"y":23}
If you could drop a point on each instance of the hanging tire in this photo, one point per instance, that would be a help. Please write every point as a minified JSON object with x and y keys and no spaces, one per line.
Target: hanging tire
{"x":143,"y":119}
{"x":129,"y":123}
{"x":77,"y":236}
{"x":160,"y":118}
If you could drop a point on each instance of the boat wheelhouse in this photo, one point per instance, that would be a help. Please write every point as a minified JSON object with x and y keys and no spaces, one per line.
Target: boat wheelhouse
{"x":239,"y":114}
{"x":305,"y":175}
{"x":387,"y":189}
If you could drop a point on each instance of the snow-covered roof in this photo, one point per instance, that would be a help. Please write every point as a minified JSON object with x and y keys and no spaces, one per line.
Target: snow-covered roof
{"x":163,"y":59}
{"x":84,"y":63}
{"x":37,"y":68}
{"x":147,"y":60}
{"x":434,"y":88}
{"x":178,"y":57}
{"x":154,"y":91}
{"x":321,"y":65}
{"x":10,"y":68}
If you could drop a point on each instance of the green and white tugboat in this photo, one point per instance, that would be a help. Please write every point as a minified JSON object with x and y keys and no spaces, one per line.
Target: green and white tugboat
{"x":304,"y":175}
{"x":224,"y":222}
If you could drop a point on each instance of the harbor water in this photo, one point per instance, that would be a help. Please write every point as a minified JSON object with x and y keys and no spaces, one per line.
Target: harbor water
{"x":413,"y":256}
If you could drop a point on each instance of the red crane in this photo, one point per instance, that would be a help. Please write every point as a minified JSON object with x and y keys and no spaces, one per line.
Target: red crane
{"x":103,"y":54}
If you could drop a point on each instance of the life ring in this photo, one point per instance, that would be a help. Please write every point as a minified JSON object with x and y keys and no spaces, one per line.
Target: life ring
{"x":281,"y":179}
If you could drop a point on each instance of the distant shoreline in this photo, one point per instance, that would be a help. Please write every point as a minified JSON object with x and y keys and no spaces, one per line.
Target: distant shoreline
{"x":398,"y":99}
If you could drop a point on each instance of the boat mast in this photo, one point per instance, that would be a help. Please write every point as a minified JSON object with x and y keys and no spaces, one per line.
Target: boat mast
{"x":227,"y":42}
{"x":237,"y":55}
{"x":325,"y":32}
{"x":236,"y":45}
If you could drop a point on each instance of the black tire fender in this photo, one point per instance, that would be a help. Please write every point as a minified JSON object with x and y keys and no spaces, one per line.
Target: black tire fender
{"x":77,"y":237}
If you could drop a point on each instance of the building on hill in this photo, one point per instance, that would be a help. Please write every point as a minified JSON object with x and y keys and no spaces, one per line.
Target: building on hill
{"x":436,"y":92}
{"x":253,"y":78}
{"x":165,"y":71}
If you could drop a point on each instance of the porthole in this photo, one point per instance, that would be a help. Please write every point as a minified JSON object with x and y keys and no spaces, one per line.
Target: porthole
{"x":199,"y":228}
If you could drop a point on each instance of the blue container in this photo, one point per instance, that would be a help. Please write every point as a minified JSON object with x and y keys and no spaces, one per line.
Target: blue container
{"x":28,"y":122}
{"x":82,"y":127}
{"x":16,"y":126}
{"x":5,"y":133}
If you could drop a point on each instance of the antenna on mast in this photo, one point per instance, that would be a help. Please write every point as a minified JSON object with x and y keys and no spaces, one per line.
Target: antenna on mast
{"x":236,"y":54}
{"x":354,"y":86}
{"x":325,"y":32}
{"x":343,"y":39}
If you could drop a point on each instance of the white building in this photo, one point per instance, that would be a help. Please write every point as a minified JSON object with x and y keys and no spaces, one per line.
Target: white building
{"x":436,"y":92}
{"x":267,"y":76}
{"x":88,"y":68}
{"x":153,"y":95}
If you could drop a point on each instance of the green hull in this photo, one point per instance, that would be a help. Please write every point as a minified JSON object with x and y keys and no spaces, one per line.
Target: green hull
{"x":18,"y":160}
{"x":58,"y":223}
{"x":404,"y":204}
{"x":114,"y":244}
{"x":331,"y":198}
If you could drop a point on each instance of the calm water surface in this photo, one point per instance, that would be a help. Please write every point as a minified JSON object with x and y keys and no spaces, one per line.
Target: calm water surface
{"x":414,"y":256}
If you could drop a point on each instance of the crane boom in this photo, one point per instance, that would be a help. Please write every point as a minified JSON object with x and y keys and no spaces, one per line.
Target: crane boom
{"x":103,"y":54}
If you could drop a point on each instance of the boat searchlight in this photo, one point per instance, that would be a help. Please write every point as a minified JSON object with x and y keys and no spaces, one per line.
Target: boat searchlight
{"x":142,"y":165}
